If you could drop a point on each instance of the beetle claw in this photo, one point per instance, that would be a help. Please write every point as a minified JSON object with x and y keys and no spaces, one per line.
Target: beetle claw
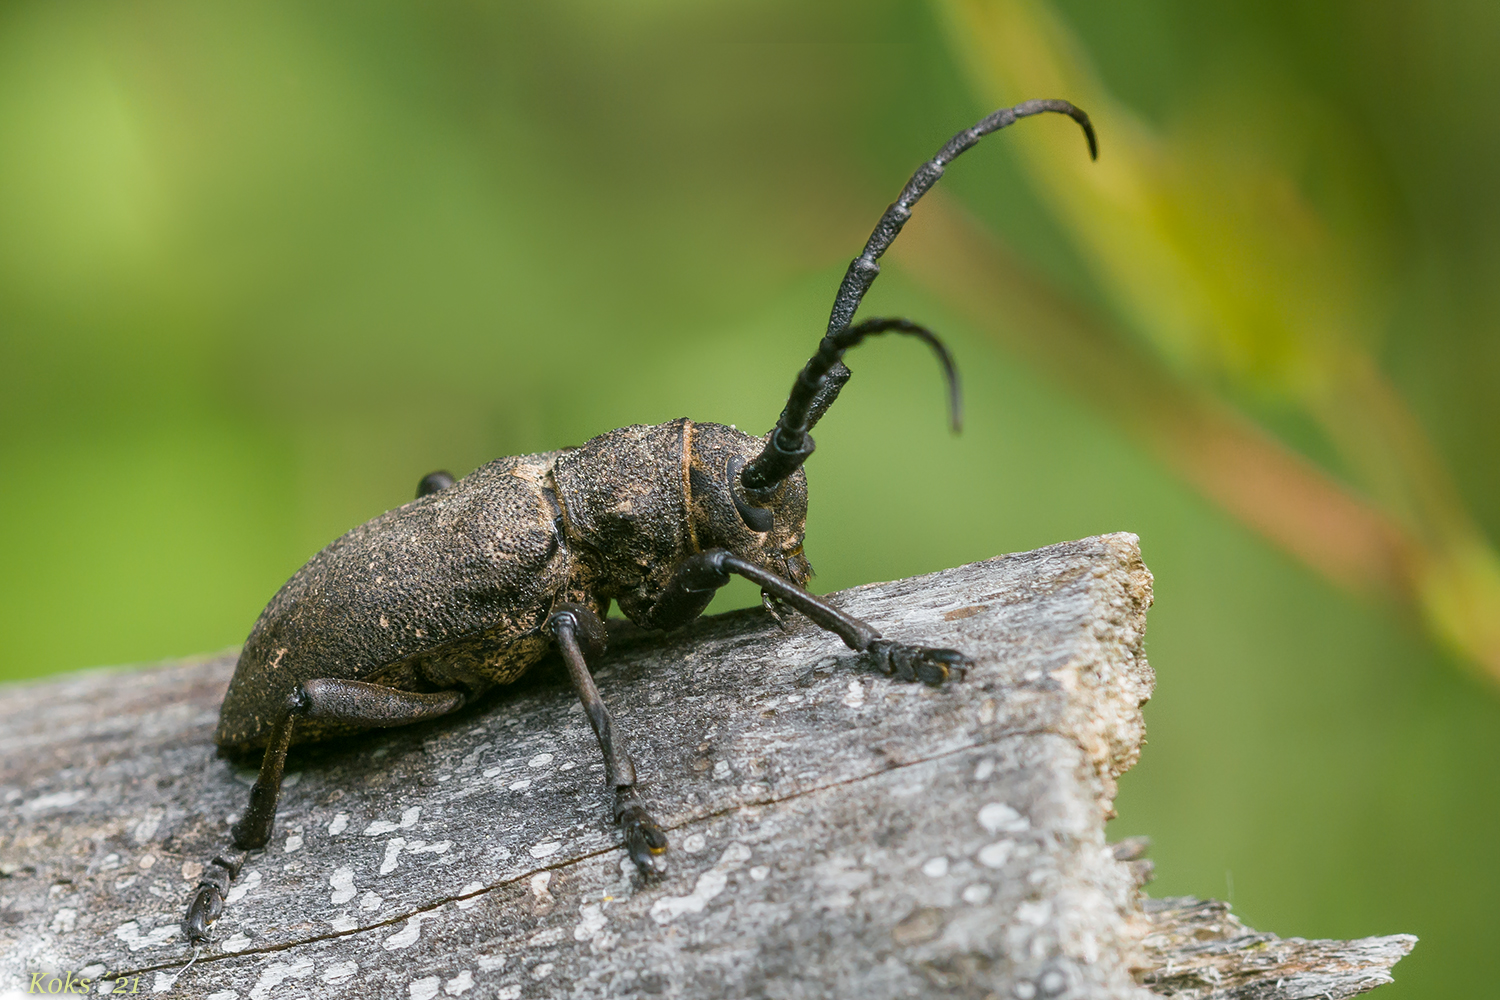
{"x":205,"y":909}
{"x":919,"y":663}
{"x":644,"y":840}
{"x":208,"y":901}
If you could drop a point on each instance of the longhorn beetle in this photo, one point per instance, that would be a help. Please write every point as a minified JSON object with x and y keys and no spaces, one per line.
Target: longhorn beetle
{"x":416,"y":613}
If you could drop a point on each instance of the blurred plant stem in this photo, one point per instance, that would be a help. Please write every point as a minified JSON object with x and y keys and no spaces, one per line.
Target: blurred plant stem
{"x":1232,"y":283}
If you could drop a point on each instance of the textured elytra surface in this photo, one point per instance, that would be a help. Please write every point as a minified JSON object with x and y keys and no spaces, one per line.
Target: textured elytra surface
{"x":833,"y":831}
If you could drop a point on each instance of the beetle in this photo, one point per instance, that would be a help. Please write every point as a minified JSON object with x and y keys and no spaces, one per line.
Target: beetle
{"x":421,"y":610}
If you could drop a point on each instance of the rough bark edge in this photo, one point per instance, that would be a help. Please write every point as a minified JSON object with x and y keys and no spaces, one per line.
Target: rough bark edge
{"x":1196,"y":949}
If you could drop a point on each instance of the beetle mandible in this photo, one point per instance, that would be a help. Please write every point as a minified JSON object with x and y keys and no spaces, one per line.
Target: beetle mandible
{"x":419,"y":611}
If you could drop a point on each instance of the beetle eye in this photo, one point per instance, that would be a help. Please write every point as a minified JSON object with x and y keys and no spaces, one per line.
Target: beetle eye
{"x":755,"y":518}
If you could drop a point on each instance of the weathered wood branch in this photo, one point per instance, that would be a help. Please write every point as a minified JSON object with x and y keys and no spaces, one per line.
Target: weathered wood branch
{"x":835,"y":833}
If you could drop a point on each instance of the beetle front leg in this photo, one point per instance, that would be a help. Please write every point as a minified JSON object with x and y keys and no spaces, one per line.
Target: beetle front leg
{"x":707,"y":571}
{"x":644,"y":840}
{"x":328,"y":699}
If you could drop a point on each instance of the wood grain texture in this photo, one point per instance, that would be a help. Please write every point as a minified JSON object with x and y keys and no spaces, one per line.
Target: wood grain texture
{"x":834,"y":833}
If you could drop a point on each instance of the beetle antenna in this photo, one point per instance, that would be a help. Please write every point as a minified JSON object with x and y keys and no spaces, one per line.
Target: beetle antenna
{"x":818,"y":383}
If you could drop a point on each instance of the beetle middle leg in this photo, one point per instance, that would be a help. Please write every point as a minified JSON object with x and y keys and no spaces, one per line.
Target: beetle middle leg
{"x":435,"y":482}
{"x":323,"y":699}
{"x":699,"y":575}
{"x":644,"y":840}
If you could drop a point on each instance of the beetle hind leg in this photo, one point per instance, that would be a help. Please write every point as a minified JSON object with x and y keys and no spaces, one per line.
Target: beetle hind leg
{"x":328,"y":699}
{"x":645,"y":841}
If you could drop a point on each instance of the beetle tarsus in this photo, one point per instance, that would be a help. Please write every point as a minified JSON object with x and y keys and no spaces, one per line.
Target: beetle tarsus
{"x":919,"y":663}
{"x":644,"y":840}
{"x":776,"y":608}
{"x":208,"y":900}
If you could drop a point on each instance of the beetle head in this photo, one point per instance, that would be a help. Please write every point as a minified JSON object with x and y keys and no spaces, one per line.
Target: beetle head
{"x":768,"y":533}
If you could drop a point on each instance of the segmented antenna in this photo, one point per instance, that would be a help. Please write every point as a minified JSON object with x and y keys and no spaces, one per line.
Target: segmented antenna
{"x":818,"y":383}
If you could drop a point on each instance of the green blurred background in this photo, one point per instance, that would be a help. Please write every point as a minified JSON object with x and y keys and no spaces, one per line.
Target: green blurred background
{"x":264,"y":265}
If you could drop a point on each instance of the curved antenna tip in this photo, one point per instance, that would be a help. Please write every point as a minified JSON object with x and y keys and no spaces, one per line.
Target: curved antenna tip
{"x":1082,"y":118}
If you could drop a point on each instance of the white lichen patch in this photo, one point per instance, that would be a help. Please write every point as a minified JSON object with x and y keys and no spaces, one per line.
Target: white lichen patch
{"x":1036,"y":912}
{"x":997,"y":817}
{"x":425,"y":988}
{"x":392,"y":854}
{"x":236,"y":943}
{"x":977,"y":893}
{"x":64,"y":920}
{"x":339,"y":825}
{"x":547,"y":937}
{"x":721,"y":770}
{"x":277,"y":973}
{"x":540,"y":760}
{"x":539,"y":883}
{"x":407,"y":936}
{"x":520,"y":785}
{"x":694,"y":843}
{"x":995,"y":855}
{"x":459,"y":983}
{"x":130,"y":933}
{"x":342,"y":881}
{"x":840,"y":878}
{"x":855,"y":696}
{"x":370,"y":901}
{"x":57,"y":800}
{"x":409,"y":817}
{"x":473,"y":900}
{"x":293,"y":843}
{"x":341,"y":972}
{"x":492,"y":963}
{"x":759,"y":873}
{"x":935,"y":867}
{"x":545,"y":849}
{"x":591,"y":921}
{"x":542,"y":971}
{"x":146,"y":828}
{"x":709,"y":885}
{"x":511,"y":992}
